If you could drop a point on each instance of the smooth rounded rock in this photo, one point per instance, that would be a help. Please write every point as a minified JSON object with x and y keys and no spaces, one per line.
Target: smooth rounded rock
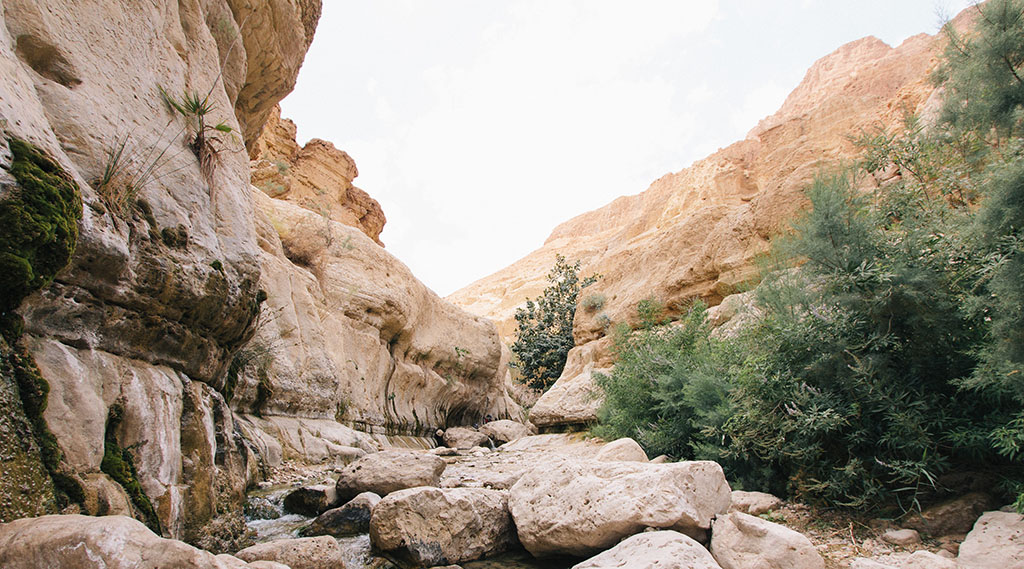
{"x":434,"y":526}
{"x":901,"y":537}
{"x":740,"y":541}
{"x":300,"y":553}
{"x":625,"y":449}
{"x":581,"y":507}
{"x":653,"y":550}
{"x":389,"y":471}
{"x":995,"y":542}
{"x":504,"y":431}
{"x":753,"y":503}
{"x":464,"y":438}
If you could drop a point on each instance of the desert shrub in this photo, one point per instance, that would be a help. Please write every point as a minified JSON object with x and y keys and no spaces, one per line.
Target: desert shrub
{"x":544,"y":333}
{"x":593,"y":302}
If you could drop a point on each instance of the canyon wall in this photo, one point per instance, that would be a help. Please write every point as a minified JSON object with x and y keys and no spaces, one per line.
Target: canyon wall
{"x":696,"y":233}
{"x":202,"y":332}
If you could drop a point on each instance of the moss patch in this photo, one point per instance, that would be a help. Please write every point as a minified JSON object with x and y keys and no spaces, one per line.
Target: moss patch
{"x":38,"y":224}
{"x":119,"y":464}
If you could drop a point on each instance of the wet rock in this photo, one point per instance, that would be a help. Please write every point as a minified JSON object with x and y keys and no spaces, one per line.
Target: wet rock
{"x":580,"y":507}
{"x":311,"y":500}
{"x":739,"y":541}
{"x":653,"y":550}
{"x":351,"y":519}
{"x":433,"y":526}
{"x":389,"y":471}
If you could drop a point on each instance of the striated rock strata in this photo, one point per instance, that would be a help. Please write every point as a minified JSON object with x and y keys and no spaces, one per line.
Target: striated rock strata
{"x":695,"y":233}
{"x":316,"y":176}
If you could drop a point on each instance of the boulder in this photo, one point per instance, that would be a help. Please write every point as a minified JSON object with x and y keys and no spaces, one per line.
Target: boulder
{"x":109,"y":542}
{"x":739,"y":541}
{"x":351,"y":519}
{"x":928,"y":560}
{"x":301,"y":553}
{"x":311,"y":500}
{"x":625,"y":449}
{"x":653,"y":550}
{"x":388,"y":471}
{"x":953,"y":516}
{"x":901,"y":537}
{"x":996,"y":542}
{"x":504,"y":431}
{"x":580,"y":507}
{"x":464,"y":437}
{"x":753,"y":503}
{"x":433,"y":526}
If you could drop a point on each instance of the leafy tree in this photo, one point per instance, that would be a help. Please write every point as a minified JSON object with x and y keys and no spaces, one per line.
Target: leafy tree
{"x":544,"y":335}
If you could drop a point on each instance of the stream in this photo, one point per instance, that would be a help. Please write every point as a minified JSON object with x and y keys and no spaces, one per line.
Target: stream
{"x":265,"y":515}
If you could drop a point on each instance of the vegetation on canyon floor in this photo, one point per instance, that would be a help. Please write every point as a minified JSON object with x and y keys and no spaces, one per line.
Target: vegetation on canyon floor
{"x":885,"y":366}
{"x":544,"y":335}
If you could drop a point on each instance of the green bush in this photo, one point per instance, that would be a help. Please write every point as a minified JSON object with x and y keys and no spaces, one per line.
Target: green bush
{"x":544,"y":334}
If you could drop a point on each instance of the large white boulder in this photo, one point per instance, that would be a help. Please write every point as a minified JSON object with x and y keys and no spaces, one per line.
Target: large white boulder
{"x":388,"y":471}
{"x":996,"y":542}
{"x":625,"y":449}
{"x":464,"y":437}
{"x":740,"y":541}
{"x":109,"y":542}
{"x":433,"y":526}
{"x":503,"y":431}
{"x":653,"y":550}
{"x":580,"y":507}
{"x":753,"y":503}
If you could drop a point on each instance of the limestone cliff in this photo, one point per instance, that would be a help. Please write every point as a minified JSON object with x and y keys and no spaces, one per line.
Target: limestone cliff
{"x":185,"y":307}
{"x":695,"y":233}
{"x":316,"y":176}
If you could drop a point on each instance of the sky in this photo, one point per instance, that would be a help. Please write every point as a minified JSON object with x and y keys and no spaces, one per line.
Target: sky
{"x":480,"y":125}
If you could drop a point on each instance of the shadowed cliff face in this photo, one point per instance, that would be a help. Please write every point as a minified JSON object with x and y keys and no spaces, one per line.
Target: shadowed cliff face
{"x":695,"y":233}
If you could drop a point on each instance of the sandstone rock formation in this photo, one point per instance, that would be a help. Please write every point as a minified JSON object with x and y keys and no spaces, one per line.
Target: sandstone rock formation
{"x":389,"y":471}
{"x":464,"y":437}
{"x":347,"y":333}
{"x":579,"y":507}
{"x":653,"y":550}
{"x":740,"y":540}
{"x":695,"y":233}
{"x":316,"y":176}
{"x":432,"y":526}
{"x":504,"y":430}
{"x":112,"y":542}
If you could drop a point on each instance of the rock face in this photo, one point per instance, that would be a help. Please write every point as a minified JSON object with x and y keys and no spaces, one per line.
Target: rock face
{"x":163,"y":285}
{"x":316,"y":176}
{"x":695,"y":233}
{"x":955,"y":516}
{"x":112,"y":542}
{"x":653,"y":550}
{"x":581,"y":507}
{"x":739,"y":540}
{"x":996,"y":542}
{"x":389,"y":471}
{"x":349,"y":334}
{"x":432,"y":526}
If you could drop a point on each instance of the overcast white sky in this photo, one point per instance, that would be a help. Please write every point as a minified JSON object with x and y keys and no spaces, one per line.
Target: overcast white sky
{"x":481,"y":125}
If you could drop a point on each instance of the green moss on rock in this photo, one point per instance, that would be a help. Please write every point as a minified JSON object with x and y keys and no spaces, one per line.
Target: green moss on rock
{"x":119,"y":464}
{"x":38,"y":224}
